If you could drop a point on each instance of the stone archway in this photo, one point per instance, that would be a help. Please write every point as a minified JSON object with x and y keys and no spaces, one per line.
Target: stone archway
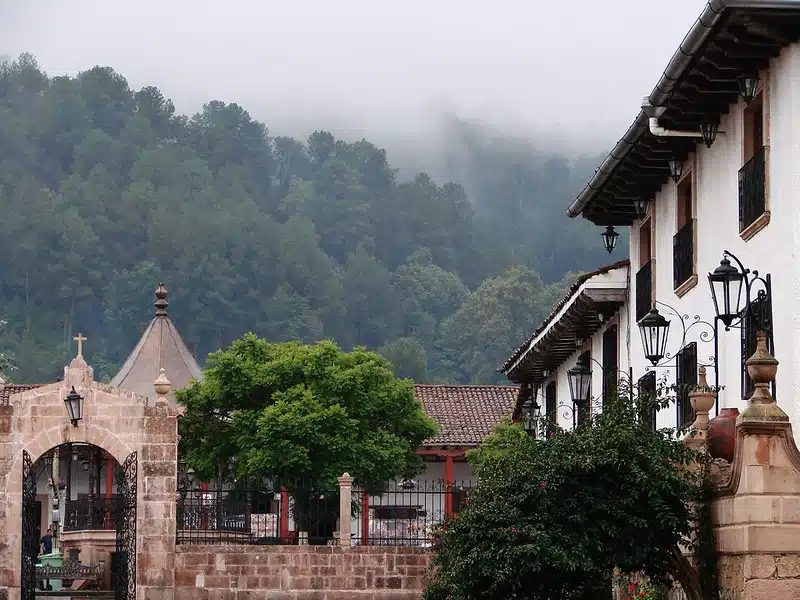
{"x":123,"y":425}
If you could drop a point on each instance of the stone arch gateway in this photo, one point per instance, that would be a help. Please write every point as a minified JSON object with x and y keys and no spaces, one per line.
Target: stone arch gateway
{"x":137,"y":434}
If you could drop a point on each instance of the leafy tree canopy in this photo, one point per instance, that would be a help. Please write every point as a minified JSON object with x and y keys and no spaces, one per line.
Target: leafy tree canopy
{"x":551,"y":519}
{"x":106,"y":190}
{"x":309,"y":412}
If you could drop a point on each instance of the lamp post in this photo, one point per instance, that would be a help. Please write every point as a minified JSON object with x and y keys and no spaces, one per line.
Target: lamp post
{"x":74,"y":405}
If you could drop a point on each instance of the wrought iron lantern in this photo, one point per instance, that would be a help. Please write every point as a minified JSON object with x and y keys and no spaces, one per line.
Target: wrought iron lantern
{"x":531,"y":412}
{"x":709,"y":132}
{"x":579,"y":377}
{"x":74,"y":404}
{"x":654,"y":329}
{"x":748,"y":85}
{"x":641,"y":207}
{"x":728,"y":290}
{"x":676,"y":168}
{"x":610,"y":238}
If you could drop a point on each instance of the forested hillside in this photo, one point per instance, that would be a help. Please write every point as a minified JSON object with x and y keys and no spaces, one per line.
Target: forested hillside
{"x":105,"y":190}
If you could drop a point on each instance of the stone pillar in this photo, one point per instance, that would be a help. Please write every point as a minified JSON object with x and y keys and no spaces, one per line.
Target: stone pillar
{"x":157,"y":498}
{"x":9,"y":536}
{"x":345,"y":509}
{"x":757,"y":510}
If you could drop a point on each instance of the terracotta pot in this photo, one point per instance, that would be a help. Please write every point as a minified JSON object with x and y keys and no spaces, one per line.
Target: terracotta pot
{"x":722,"y":434}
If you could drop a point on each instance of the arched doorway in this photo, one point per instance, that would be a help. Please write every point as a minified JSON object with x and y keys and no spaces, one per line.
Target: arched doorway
{"x":78,"y":523}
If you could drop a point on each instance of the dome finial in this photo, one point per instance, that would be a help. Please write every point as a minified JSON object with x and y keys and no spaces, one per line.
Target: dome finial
{"x":161,"y":303}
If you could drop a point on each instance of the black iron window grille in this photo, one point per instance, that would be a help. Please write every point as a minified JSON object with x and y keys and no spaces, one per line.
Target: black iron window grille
{"x":610,"y":367}
{"x":644,"y":290}
{"x":647,"y":399}
{"x":761,"y":311}
{"x":683,"y":254}
{"x":550,"y":402}
{"x":752,"y":190}
{"x":685,"y":381}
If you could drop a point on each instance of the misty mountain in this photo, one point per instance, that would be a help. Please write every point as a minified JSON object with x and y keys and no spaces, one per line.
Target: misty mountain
{"x":107,"y":190}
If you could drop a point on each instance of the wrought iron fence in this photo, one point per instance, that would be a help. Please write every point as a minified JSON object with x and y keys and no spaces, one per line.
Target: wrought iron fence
{"x":407,"y":513}
{"x":92,"y":514}
{"x":644,"y":290}
{"x":752,"y":190}
{"x":683,"y":254}
{"x":251,"y":511}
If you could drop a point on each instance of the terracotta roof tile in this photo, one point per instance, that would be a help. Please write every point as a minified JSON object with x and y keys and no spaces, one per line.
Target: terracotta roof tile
{"x":570,"y":293}
{"x":465,"y":413}
{"x":10,"y":388}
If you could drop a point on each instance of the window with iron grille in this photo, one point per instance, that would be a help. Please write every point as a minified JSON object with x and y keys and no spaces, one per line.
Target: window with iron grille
{"x":685,"y":381}
{"x":550,"y":401}
{"x":644,"y":290}
{"x":761,"y":308}
{"x":609,"y":364}
{"x":585,"y":408}
{"x":647,"y":396}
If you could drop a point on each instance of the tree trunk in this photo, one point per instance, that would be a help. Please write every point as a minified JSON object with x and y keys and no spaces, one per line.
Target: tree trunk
{"x":686,"y":575}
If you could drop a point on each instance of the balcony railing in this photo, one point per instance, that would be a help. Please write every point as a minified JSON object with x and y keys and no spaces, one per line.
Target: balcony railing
{"x":752,"y":196}
{"x":683,"y":254}
{"x":96,"y":514}
{"x":644,"y":290}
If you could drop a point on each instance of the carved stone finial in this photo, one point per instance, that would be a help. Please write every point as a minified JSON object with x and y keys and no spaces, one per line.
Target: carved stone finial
{"x":162,"y":386}
{"x":702,"y":400}
{"x":762,"y":368}
{"x":161,"y":303}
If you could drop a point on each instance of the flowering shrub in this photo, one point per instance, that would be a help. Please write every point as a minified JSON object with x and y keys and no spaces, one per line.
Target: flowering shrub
{"x":553,"y":517}
{"x":641,"y":590}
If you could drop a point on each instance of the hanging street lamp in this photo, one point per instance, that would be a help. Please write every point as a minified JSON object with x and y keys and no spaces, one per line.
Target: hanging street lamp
{"x":675,"y":169}
{"x":748,"y":85}
{"x":74,"y":404}
{"x":609,"y":238}
{"x":709,"y":132}
{"x":641,"y":207}
{"x":654,"y":329}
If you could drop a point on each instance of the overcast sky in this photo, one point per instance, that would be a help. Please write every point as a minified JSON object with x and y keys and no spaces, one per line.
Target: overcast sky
{"x":574,"y":69}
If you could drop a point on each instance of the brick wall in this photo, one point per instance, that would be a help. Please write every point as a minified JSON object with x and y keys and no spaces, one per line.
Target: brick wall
{"x":299,"y":573}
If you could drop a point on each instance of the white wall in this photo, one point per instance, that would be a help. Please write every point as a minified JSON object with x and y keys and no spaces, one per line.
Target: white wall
{"x":773,"y":250}
{"x":595,"y":345}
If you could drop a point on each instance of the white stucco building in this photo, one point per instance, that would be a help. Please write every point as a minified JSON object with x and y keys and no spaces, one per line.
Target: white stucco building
{"x":709,"y":164}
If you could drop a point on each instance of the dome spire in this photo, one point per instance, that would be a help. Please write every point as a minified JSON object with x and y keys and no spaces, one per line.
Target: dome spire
{"x":161,"y":303}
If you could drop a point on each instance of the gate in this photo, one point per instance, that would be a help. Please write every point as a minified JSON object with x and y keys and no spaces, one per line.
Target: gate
{"x":125,"y":575}
{"x":30,"y":541}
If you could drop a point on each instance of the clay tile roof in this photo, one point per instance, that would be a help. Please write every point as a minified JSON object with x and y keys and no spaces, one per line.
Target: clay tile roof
{"x":10,"y":388}
{"x":465,"y":413}
{"x":570,"y":293}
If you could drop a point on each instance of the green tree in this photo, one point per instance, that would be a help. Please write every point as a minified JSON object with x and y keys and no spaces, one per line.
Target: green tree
{"x":552,"y":518}
{"x":492,"y":321}
{"x":408,"y":358}
{"x":302,"y":412}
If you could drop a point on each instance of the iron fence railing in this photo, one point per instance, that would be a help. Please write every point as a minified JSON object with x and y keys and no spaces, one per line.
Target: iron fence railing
{"x":752,"y":189}
{"x":93,"y":514}
{"x":683,"y":254}
{"x":644,"y":290}
{"x":406,"y":513}
{"x":253,"y":513}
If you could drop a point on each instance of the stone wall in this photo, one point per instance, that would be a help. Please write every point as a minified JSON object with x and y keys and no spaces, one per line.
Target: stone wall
{"x":299,"y":573}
